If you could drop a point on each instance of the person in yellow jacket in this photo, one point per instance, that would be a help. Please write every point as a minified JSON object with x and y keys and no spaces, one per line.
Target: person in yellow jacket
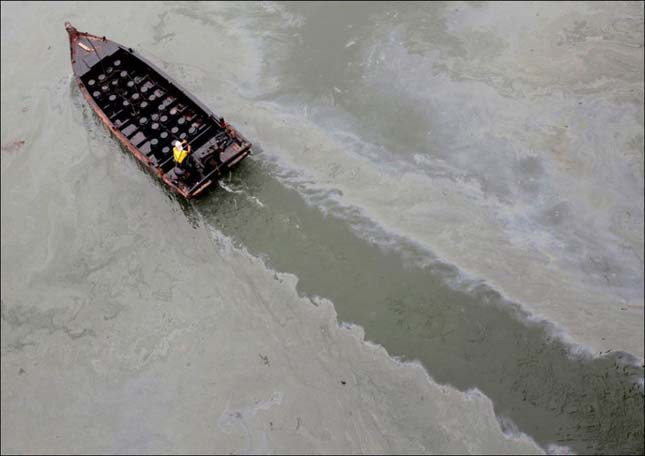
{"x":180,"y":153}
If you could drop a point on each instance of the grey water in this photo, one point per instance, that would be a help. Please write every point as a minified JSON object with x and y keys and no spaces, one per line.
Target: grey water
{"x":435,"y":248}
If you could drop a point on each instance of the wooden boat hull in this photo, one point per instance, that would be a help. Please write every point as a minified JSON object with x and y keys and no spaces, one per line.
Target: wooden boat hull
{"x":146,"y":111}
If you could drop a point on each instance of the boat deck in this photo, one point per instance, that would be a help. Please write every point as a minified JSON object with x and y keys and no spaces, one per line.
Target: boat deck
{"x":147,"y":111}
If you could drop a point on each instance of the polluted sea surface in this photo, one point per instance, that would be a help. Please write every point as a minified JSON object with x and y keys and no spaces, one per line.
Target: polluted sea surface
{"x":436,"y":246}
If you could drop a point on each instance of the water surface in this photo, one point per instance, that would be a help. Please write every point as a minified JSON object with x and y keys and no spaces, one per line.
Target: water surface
{"x":458,"y":184}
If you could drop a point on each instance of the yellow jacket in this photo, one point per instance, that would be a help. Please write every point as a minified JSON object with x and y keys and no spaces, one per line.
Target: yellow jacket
{"x":180,"y":155}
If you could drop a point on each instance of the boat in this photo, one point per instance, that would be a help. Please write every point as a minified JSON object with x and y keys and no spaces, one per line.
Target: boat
{"x":147,"y":112}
